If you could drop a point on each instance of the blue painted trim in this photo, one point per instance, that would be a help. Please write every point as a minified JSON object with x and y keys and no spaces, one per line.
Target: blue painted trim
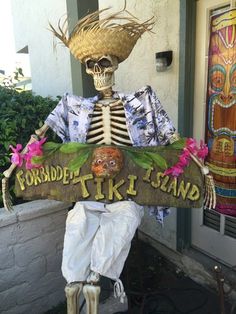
{"x":225,"y":192}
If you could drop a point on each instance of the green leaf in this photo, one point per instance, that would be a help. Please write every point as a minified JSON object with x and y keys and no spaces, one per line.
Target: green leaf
{"x":72,"y":147}
{"x":180,"y":144}
{"x":51,"y":146}
{"x":158,"y":160}
{"x":78,"y":161}
{"x":140,"y":159}
{"x":38,"y":160}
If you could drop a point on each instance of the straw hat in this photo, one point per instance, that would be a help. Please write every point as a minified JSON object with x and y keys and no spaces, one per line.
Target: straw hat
{"x":95,"y":35}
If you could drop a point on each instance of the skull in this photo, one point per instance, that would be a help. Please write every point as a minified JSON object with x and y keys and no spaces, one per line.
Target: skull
{"x":107,"y":162}
{"x":102,"y":69}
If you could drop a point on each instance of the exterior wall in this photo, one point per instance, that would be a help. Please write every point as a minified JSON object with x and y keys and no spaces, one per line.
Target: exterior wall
{"x":50,"y":66}
{"x":31,"y":241}
{"x":139,"y":70}
{"x":7,"y":52}
{"x":166,"y":233}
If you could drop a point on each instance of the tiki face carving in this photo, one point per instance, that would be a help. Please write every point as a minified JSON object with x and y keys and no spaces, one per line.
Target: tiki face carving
{"x":107,"y":162}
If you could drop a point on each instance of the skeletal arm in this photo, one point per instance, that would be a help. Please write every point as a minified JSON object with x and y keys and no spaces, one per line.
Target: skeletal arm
{"x":7,"y":201}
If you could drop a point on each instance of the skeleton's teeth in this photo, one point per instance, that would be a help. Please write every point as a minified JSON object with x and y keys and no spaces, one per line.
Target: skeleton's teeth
{"x":104,"y":80}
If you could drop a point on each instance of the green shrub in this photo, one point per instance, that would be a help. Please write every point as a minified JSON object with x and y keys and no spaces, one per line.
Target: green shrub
{"x":21,"y":113}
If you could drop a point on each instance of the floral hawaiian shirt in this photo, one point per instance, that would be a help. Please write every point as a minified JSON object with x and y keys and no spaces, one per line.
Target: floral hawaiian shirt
{"x":147,"y":122}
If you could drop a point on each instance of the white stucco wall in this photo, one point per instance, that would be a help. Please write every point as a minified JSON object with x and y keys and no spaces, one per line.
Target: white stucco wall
{"x":139,"y":70}
{"x":50,"y":68}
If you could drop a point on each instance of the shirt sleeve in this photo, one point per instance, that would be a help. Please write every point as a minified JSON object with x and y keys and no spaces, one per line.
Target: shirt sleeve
{"x":57,"y":120}
{"x":165,"y":130}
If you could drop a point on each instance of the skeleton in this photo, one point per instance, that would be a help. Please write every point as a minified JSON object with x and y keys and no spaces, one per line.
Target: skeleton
{"x":108,"y":123}
{"x":108,"y":126}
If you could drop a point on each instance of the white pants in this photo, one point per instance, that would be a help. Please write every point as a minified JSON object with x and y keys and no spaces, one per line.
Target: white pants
{"x":98,"y":238}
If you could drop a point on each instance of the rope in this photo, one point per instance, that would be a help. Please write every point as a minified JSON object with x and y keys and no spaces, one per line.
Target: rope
{"x":119,"y":291}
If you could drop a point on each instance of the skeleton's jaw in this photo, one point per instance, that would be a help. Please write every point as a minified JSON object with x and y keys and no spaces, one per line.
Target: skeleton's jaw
{"x":103,"y":81}
{"x":104,"y":85}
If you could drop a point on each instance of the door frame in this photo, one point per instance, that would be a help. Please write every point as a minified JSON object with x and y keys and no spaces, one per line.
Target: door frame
{"x":185,"y":102}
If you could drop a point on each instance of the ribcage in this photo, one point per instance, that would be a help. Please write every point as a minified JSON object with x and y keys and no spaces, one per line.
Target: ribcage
{"x":108,"y":125}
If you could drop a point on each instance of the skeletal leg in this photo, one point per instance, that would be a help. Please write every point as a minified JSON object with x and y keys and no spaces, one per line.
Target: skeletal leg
{"x":91,"y":294}
{"x":72,"y":291}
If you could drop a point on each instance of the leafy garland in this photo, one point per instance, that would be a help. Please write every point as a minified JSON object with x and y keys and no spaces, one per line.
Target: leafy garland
{"x":144,"y":159}
{"x":37,"y":153}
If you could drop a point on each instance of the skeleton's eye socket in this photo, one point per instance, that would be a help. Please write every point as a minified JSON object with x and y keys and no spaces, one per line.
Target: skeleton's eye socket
{"x":105,"y":63}
{"x":98,"y":161}
{"x":112,"y":162}
{"x":90,"y":63}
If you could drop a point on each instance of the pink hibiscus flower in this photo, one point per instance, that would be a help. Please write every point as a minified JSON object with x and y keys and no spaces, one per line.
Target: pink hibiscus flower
{"x":184,"y":158}
{"x":16,"y":157}
{"x":174,"y":171}
{"x":203,"y":150}
{"x":34,"y":149}
{"x":191,"y":145}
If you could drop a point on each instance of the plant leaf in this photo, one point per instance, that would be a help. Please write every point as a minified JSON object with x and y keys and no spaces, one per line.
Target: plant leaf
{"x":157,"y":159}
{"x":78,"y":161}
{"x":141,"y":159}
{"x":180,"y":144}
{"x":72,"y":147}
{"x":48,"y":146}
{"x":38,"y":160}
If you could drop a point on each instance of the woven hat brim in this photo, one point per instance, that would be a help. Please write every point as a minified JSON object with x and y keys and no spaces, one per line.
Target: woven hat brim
{"x":102,"y":42}
{"x":94,"y":35}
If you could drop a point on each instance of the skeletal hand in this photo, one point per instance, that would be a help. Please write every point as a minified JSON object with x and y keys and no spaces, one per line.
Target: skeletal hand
{"x":210,"y":194}
{"x":7,"y":199}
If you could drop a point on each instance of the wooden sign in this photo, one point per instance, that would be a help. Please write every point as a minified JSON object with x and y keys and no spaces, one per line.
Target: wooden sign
{"x":54,"y":180}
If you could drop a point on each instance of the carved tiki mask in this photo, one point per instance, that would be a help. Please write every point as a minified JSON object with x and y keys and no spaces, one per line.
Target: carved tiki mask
{"x":102,"y":69}
{"x":107,"y":162}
